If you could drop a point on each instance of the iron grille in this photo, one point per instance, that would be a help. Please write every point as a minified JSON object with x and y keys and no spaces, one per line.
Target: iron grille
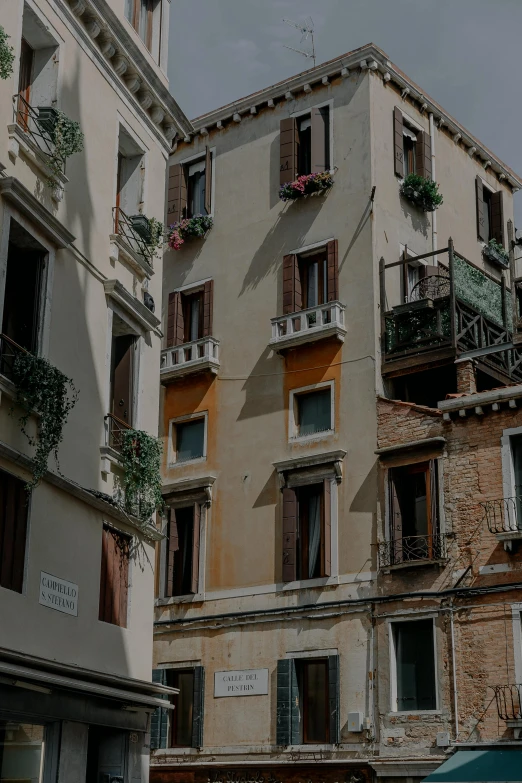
{"x":124,"y":228}
{"x":411,"y":549}
{"x":504,"y":515}
{"x":509,"y":701}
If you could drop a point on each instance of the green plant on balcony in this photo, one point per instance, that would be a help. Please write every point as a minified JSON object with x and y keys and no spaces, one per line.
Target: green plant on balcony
{"x":67,"y":138}
{"x":7,"y":55}
{"x":196,"y":226}
{"x":141,"y":459}
{"x":150,"y":230}
{"x":306,"y":185}
{"x":45,"y":390}
{"x":495,"y":252}
{"x":421,"y":191}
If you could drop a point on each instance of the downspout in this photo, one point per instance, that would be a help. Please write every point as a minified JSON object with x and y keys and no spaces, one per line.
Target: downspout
{"x":434,"y":244}
{"x":454,"y":667}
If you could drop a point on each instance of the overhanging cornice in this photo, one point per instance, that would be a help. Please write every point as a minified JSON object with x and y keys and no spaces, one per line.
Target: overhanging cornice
{"x":136,"y":309}
{"x":17,"y":194}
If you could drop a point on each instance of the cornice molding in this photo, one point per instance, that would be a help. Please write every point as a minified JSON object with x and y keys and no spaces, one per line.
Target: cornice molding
{"x":17,"y":194}
{"x":136,"y":309}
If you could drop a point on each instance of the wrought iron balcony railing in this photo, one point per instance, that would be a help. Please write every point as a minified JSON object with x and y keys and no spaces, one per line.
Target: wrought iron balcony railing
{"x":430,"y":287}
{"x":124,"y":228}
{"x":509,"y":701}
{"x":504,"y":515}
{"x":37,"y":123}
{"x":114,"y":429}
{"x":411,"y":550}
{"x":9,"y":350}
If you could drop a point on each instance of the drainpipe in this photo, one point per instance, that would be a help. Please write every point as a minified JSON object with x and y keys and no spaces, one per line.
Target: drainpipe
{"x":434,"y":245}
{"x":454,"y":667}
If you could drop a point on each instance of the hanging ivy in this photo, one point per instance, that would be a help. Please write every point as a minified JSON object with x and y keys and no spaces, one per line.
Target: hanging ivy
{"x":156,"y":236}
{"x":7,"y":55}
{"x":141,"y":457}
{"x":43,"y":389}
{"x":67,"y":139}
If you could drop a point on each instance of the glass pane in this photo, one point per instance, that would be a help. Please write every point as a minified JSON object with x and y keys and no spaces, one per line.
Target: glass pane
{"x":194,"y":318}
{"x":21,"y":752}
{"x":314,"y":534}
{"x":184,"y":703}
{"x":516,"y":450}
{"x":315,"y":702}
{"x":312,"y":288}
{"x":190,"y":440}
{"x":415,"y":665}
{"x":314,"y":412}
{"x":196,"y":194}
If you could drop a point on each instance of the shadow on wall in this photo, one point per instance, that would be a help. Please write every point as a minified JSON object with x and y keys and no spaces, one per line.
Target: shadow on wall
{"x":263,"y":395}
{"x":419,"y":220}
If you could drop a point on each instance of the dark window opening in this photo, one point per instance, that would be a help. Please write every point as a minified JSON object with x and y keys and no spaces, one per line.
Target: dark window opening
{"x":409,"y":141}
{"x":196,"y":185}
{"x":314,"y":412}
{"x":310,"y":544}
{"x":312,"y":678}
{"x":192,"y":316}
{"x":487,"y":213}
{"x":122,"y":366}
{"x":107,"y":751}
{"x":485,"y":382}
{"x":313,"y":140}
{"x":14,"y":507}
{"x":24,"y":83}
{"x":181,"y":717}
{"x":304,"y":133}
{"x":426,"y":387}
{"x":413,"y":512}
{"x":415,"y":665}
{"x":180,"y":551}
{"x":314,"y":280}
{"x":190,"y":440}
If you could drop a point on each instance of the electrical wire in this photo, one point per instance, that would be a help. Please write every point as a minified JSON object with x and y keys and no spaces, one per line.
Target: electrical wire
{"x":289,"y":372}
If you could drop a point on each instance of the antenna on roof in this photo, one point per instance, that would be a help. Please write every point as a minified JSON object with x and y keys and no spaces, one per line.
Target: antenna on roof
{"x":307,"y":31}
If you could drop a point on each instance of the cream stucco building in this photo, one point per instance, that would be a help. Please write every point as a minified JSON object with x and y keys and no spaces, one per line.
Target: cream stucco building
{"x":77,"y":287}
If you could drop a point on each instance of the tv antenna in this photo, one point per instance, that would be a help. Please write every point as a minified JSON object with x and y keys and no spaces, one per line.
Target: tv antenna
{"x":307,"y":32}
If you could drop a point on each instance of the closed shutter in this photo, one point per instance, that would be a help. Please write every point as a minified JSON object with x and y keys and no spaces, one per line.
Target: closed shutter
{"x":208,"y":181}
{"x":172,"y":548}
{"x":13,"y":531}
{"x":289,"y":146}
{"x":289,"y":534}
{"x":481,"y":228}
{"x":334,"y":699}
{"x":395,"y":522}
{"x":198,"y":707}
{"x":208,"y":291}
{"x":292,"y":295}
{"x":327,"y":527}
{"x":194,"y":587}
{"x":332,"y":271}
{"x":159,"y":722}
{"x":398,"y":142}
{"x":175,"y":320}
{"x":287,"y":711}
{"x":423,"y":154}
{"x":177,"y":194}
{"x":114,"y":578}
{"x":319,"y":141}
{"x":497,"y":217}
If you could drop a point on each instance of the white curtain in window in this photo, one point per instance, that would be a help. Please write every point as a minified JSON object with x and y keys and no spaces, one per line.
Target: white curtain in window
{"x":314,"y":533}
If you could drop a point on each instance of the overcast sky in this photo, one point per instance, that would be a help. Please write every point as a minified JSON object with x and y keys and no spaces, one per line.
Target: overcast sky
{"x":463,"y":53}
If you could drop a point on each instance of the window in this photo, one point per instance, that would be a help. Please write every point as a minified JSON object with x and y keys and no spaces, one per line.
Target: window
{"x":409,"y":141}
{"x":190,"y":188}
{"x":413,"y":647}
{"x":516,"y":461}
{"x":182,"y":715}
{"x":130,"y":175}
{"x":114,"y":577}
{"x":182,"y":726}
{"x":145,"y":17}
{"x":313,"y":412}
{"x":192,"y":316}
{"x":13,"y":531}
{"x":307,"y":531}
{"x":189,"y":439}
{"x":314,"y":279}
{"x":412,"y":147}
{"x":122,"y":376}
{"x":37,"y":75}
{"x":305,"y":144}
{"x":21,"y":752}
{"x":196,"y":182}
{"x":310,"y":279}
{"x":308,"y":696}
{"x":182,"y":571}
{"x":490,"y":213}
{"x":414,"y":513}
{"x":189,"y":315}
{"x":313,"y":696}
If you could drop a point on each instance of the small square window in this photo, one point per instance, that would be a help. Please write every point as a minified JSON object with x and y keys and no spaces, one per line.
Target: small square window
{"x":314,"y":412}
{"x":189,"y":440}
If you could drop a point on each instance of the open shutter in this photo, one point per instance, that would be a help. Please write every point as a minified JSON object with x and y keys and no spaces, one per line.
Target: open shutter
{"x":319,"y":145}
{"x":208,"y":181}
{"x":208,"y":292}
{"x":177,"y":194}
{"x":292,"y":296}
{"x":423,"y":154}
{"x":395,"y":522}
{"x":434,"y":497}
{"x":327,"y":527}
{"x":287,"y":711}
{"x":334,"y":699}
{"x":481,"y":230}
{"x":159,"y":722}
{"x":195,"y":549}
{"x":398,"y":142}
{"x":289,"y":145}
{"x":175,"y":320}
{"x":198,"y":707}
{"x":289,"y":534}
{"x":497,"y":217}
{"x":172,"y":548}
{"x":332,"y":271}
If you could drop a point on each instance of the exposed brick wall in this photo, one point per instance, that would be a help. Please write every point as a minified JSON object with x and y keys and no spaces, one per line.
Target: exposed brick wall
{"x":466,"y":379}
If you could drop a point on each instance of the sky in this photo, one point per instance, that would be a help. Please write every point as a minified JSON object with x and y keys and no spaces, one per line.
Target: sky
{"x":463,"y":53}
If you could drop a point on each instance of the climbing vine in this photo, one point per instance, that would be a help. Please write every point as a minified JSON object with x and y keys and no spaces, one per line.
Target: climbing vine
{"x":7,"y":55}
{"x":141,"y":458}
{"x":43,"y":389}
{"x":155,"y":237}
{"x":67,"y":139}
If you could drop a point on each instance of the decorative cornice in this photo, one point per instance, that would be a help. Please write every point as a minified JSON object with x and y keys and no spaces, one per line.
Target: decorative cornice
{"x":136,"y":309}
{"x":310,"y":461}
{"x":180,"y":491}
{"x":13,"y":191}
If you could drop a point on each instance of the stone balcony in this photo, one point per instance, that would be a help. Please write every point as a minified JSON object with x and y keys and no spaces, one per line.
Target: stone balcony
{"x":307,"y":326}
{"x":188,"y":358}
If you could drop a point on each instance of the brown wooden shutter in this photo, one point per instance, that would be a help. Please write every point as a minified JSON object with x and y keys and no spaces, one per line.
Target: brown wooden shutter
{"x":175,"y":320}
{"x":13,"y":531}
{"x":497,"y":217}
{"x":481,"y":230}
{"x":292,"y":297}
{"x":327,"y":527}
{"x":289,"y":534}
{"x":332,"y":271}
{"x":103,"y":575}
{"x":114,"y":578}
{"x":398,"y":142}
{"x":172,"y":548}
{"x":319,"y":126}
{"x":289,"y":146}
{"x":195,"y":549}
{"x":122,"y":544}
{"x":208,"y":292}
{"x":395,"y":522}
{"x":208,"y":181}
{"x":177,"y":194}
{"x":423,"y":154}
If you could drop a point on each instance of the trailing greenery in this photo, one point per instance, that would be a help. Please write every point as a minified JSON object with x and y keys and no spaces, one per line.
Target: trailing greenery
{"x":196,"y":226}
{"x":305,"y":185}
{"x":156,"y":236}
{"x":496,"y":252}
{"x":141,"y":457}
{"x":67,"y":138}
{"x":43,"y":389}
{"x":421,"y":191}
{"x":7,"y":55}
{"x":480,"y":292}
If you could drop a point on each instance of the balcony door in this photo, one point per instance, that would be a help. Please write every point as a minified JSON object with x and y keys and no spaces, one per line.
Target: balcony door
{"x":24,"y":83}
{"x":121,"y":377}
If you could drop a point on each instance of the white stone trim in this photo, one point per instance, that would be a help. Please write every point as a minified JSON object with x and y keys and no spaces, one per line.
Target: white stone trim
{"x":300,"y":251}
{"x":508,"y":473}
{"x":312,"y":653}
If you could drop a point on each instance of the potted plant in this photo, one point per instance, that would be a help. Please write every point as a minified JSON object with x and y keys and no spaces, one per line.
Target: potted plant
{"x":140,"y":224}
{"x":66,"y":136}
{"x":47,"y":119}
{"x":306,"y":185}
{"x":495,"y":252}
{"x":7,"y":55}
{"x":196,"y":226}
{"x":421,"y":191}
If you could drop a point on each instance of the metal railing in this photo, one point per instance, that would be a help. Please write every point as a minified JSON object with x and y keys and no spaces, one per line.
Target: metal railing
{"x":182,"y":356}
{"x":411,"y":549}
{"x":430,"y":287}
{"x":309,"y":320}
{"x":114,"y":429}
{"x":30,"y":121}
{"x":9,"y":350}
{"x":124,"y":228}
{"x":503,"y":515}
{"x":509,"y":701}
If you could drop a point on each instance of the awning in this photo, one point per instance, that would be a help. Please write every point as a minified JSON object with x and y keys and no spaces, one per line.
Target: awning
{"x":480,"y":766}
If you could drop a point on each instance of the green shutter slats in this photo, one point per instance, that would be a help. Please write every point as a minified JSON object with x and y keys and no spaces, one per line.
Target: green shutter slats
{"x":159,"y":722}
{"x":334,"y":699}
{"x":288,"y":726}
{"x":198,"y":707}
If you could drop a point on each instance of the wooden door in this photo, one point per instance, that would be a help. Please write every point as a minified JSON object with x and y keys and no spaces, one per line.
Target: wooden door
{"x":24,"y":83}
{"x":122,"y":352}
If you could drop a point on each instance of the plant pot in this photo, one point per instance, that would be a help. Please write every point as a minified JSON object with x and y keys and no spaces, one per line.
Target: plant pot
{"x":141,"y":226}
{"x":493,"y":255}
{"x":47,"y":118}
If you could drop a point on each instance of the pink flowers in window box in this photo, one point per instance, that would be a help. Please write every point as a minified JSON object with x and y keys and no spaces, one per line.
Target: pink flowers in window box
{"x":196,"y":226}
{"x":305,"y":185}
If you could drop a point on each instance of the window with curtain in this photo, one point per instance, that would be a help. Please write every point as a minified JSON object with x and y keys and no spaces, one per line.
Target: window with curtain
{"x":140,"y":13}
{"x":196,"y":184}
{"x":414,"y":512}
{"x":409,"y":141}
{"x":310,"y":536}
{"x":314,"y":281}
{"x":414,"y":665}
{"x":313,"y":412}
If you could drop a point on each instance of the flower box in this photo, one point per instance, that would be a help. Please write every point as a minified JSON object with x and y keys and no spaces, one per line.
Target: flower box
{"x":422,"y":192}
{"x":196,"y":226}
{"x":306,"y":185}
{"x":495,"y":253}
{"x":47,"y":119}
{"x":140,"y":224}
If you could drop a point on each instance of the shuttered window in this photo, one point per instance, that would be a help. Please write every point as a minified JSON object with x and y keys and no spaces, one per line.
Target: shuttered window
{"x":13,"y":531}
{"x":311,"y":280}
{"x":307,"y":537}
{"x":490,"y":213}
{"x":189,"y":314}
{"x":412,"y":148}
{"x":305,"y":144}
{"x":413,"y":503}
{"x":182,"y":551}
{"x":182,"y":726}
{"x":190,"y":188}
{"x":114,"y":577}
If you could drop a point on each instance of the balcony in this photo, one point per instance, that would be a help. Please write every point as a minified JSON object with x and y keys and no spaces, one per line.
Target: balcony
{"x":307,"y":326}
{"x":9,"y":350}
{"x":181,"y":360}
{"x":509,"y":706}
{"x":110,"y":452}
{"x":127,"y":240}
{"x":412,"y":551}
{"x":504,"y":519}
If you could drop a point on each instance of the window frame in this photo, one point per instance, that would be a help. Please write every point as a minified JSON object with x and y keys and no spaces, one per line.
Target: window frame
{"x":153,"y":25}
{"x":393,"y":664}
{"x":302,"y":668}
{"x":193,"y":159}
{"x":114,"y":308}
{"x":173,"y":423}
{"x":293,"y":427}
{"x":321,"y":105}
{"x":516,"y":613}
{"x":508,"y":467}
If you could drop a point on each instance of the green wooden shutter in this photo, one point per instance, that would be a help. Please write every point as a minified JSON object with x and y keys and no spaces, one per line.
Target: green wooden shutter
{"x":198,"y":707}
{"x":334,"y":699}
{"x":288,"y":730}
{"x":159,"y":722}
